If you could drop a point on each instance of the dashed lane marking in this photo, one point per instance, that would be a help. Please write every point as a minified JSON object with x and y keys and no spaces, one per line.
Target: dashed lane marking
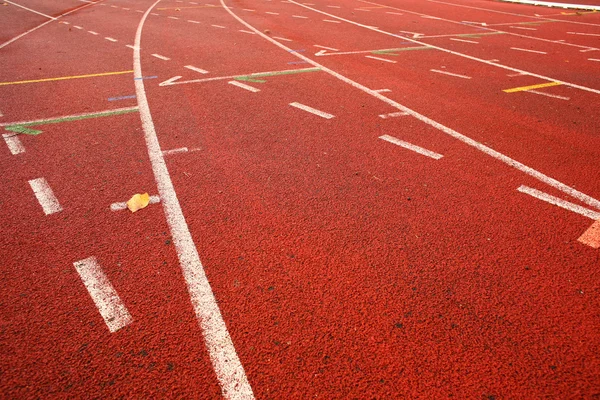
{"x":218,"y":26}
{"x":104,"y":295}
{"x":122,"y":205}
{"x":130,"y":46}
{"x":30,"y":10}
{"x":77,"y":27}
{"x":253,"y":77}
{"x":175,"y":151}
{"x":594,"y":59}
{"x":334,"y":6}
{"x":586,"y":34}
{"x":248,"y":32}
{"x":45,"y":196}
{"x":160,"y":57}
{"x":111,"y":39}
{"x":450,"y":74}
{"x":244,"y":86}
{"x":381,"y":59}
{"x":527,"y":50}
{"x":464,"y":40}
{"x":93,"y":33}
{"x":199,"y":70}
{"x":299,"y":16}
{"x":332,"y":21}
{"x":555,"y":96}
{"x":172,"y":17}
{"x":526,"y":88}
{"x":62,"y":78}
{"x":559,"y":202}
{"x":523,"y":28}
{"x":272,"y":13}
{"x":192,"y":21}
{"x":392,"y":115}
{"x":410,"y":146}
{"x":14,"y":144}
{"x":591,"y":236}
{"x":325,"y":47}
{"x":312,"y":110}
{"x":281,"y":38}
{"x":382,"y":90}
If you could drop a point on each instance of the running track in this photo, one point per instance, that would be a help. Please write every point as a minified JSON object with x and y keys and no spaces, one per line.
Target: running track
{"x":351,"y":199}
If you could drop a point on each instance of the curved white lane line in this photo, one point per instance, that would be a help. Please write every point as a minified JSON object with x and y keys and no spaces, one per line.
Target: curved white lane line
{"x":228,"y":368}
{"x":465,"y":139}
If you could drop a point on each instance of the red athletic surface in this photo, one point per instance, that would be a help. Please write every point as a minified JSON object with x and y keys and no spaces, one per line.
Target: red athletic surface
{"x":344,"y":266}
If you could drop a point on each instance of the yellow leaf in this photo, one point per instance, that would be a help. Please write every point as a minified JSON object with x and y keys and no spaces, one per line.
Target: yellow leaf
{"x":138,"y":201}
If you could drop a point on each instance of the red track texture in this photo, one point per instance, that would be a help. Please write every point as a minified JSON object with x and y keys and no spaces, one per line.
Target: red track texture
{"x":344,"y":266}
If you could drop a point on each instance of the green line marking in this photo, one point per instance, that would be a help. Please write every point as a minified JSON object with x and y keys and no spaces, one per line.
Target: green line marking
{"x":390,"y":51}
{"x":252,"y":77}
{"x":22,"y":129}
{"x":248,"y":79}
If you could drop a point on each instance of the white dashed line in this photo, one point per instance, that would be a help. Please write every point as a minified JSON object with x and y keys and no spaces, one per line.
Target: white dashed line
{"x":450,"y":73}
{"x":77,"y":27}
{"x":593,"y":59}
{"x":93,"y":33}
{"x":111,"y":39}
{"x":123,"y":204}
{"x":332,"y":21}
{"x":272,"y":13}
{"x":381,"y":59}
{"x":130,"y":46}
{"x":45,"y":196}
{"x":555,"y":96}
{"x":191,"y":67}
{"x":14,"y":144}
{"x":155,"y":14}
{"x":523,"y":28}
{"x":410,"y":146}
{"x":586,"y":34}
{"x":382,"y":90}
{"x":247,"y":9}
{"x":281,"y":38}
{"x":588,"y":50}
{"x":244,"y":86}
{"x":172,"y":17}
{"x":192,"y":21}
{"x":161,"y":57}
{"x":299,"y":16}
{"x":326,"y":48}
{"x":527,"y":50}
{"x":108,"y":302}
{"x":248,"y":32}
{"x":175,"y":151}
{"x":559,"y":202}
{"x":333,"y":6}
{"x":393,"y":115}
{"x":218,"y":26}
{"x":464,"y":40}
{"x":312,"y":110}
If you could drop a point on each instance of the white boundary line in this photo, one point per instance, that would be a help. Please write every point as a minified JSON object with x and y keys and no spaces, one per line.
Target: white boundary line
{"x":228,"y":367}
{"x":559,"y":202}
{"x":244,"y":86}
{"x":312,"y":110}
{"x":104,"y":295}
{"x":44,"y":195}
{"x":410,"y":146}
{"x":451,"y":132}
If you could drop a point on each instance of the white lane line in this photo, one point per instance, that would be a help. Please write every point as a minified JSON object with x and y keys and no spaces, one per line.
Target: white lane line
{"x":588,"y":50}
{"x":110,"y":39}
{"x":586,"y":34}
{"x":93,"y":33}
{"x":226,"y":363}
{"x":104,"y":295}
{"x":382,"y":90}
{"x":548,"y":95}
{"x":38,"y":121}
{"x":29,"y":9}
{"x":559,"y":202}
{"x":332,"y":21}
{"x":191,"y":67}
{"x":192,"y":21}
{"x":122,"y":205}
{"x":272,"y":13}
{"x":154,"y":14}
{"x":64,"y":22}
{"x":381,"y":59}
{"x":593,"y":59}
{"x":160,"y":57}
{"x":284,"y":39}
{"x":130,"y":46}
{"x":393,"y":13}
{"x":464,"y":40}
{"x":172,"y":17}
{"x":247,"y":9}
{"x":77,"y":27}
{"x":173,"y":151}
{"x":218,"y":26}
{"x":527,"y":50}
{"x":14,"y":144}
{"x":45,"y":196}
{"x":393,"y":115}
{"x":523,"y":28}
{"x":312,"y":110}
{"x":333,"y":6}
{"x":244,"y":86}
{"x":410,"y":146}
{"x":450,"y":73}
{"x":326,"y":48}
{"x":249,"y":32}
{"x":299,"y":16}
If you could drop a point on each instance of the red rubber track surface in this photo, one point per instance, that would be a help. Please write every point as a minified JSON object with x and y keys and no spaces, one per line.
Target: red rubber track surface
{"x":344,"y":266}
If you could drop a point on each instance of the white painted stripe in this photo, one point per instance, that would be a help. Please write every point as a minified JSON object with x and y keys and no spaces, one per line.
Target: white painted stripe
{"x":450,"y":73}
{"x":37,"y":121}
{"x":593,"y":59}
{"x":555,"y":4}
{"x":249,"y":32}
{"x":361,"y":9}
{"x":586,"y":34}
{"x":191,"y":67}
{"x":464,"y":40}
{"x":393,"y":13}
{"x":130,"y":46}
{"x":312,"y":110}
{"x":247,"y":9}
{"x":122,"y":205}
{"x":299,"y":16}
{"x":382,"y":90}
{"x":281,"y":38}
{"x":333,"y":22}
{"x":29,"y":9}
{"x":14,"y":144}
{"x":527,"y":50}
{"x":45,"y":196}
{"x":244,"y":86}
{"x":174,"y":151}
{"x":326,"y":48}
{"x":218,"y":26}
{"x":517,"y":74}
{"x":126,"y":8}
{"x":140,"y":11}
{"x":333,"y":6}
{"x":104,"y":295}
{"x":431,"y":17}
{"x":192,"y":21}
{"x":410,"y":146}
{"x":228,"y":368}
{"x":93,"y":33}
{"x":161,"y":57}
{"x":450,"y":132}
{"x":523,"y":28}
{"x":110,"y":39}
{"x":559,"y":202}
{"x":392,"y":115}
{"x":548,"y":95}
{"x":588,"y":50}
{"x":77,"y":27}
{"x":64,"y":22}
{"x":154,"y":14}
{"x":272,"y":13}
{"x":381,"y":59}
{"x":114,"y":6}
{"x":172,"y":17}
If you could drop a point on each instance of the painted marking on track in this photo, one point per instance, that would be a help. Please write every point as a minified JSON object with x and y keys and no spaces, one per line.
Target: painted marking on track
{"x":45,"y":196}
{"x":410,"y":146}
{"x":555,"y":96}
{"x":218,"y":26}
{"x":588,"y":50}
{"x":248,"y":32}
{"x":226,"y":363}
{"x":559,"y":202}
{"x":525,"y":88}
{"x":160,"y":57}
{"x":253,"y":77}
{"x":122,"y":205}
{"x":64,"y":22}
{"x":591,"y":237}
{"x":593,"y":59}
{"x":29,"y":9}
{"x":14,"y":144}
{"x":104,"y":295}
{"x":382,"y":90}
{"x":68,"y":118}
{"x":381,"y":59}
{"x":334,"y":6}
{"x":284,"y":39}
{"x":312,"y":110}
{"x":111,"y":39}
{"x":146,"y":77}
{"x":244,"y":86}
{"x":154,"y":14}
{"x":333,"y":22}
{"x":172,"y":17}
{"x":93,"y":33}
{"x":523,"y":28}
{"x":272,"y":13}
{"x":529,"y":51}
{"x":247,"y":9}
{"x":393,"y":115}
{"x":62,"y":78}
{"x":464,"y":41}
{"x":192,"y":21}
{"x":299,"y":16}
{"x":23,"y":130}
{"x":586,"y":34}
{"x":450,"y":73}
{"x":191,"y":67}
{"x":517,"y":74}
{"x":393,"y":13}
{"x":175,"y":151}
{"x":121,"y":98}
{"x":77,"y":27}
{"x":326,"y":48}
{"x":130,"y":46}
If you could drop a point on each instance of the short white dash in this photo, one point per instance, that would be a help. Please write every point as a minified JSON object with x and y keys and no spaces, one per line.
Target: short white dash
{"x":284,"y":39}
{"x":524,"y":28}
{"x":559,"y":202}
{"x":126,"y":9}
{"x":114,"y":7}
{"x":593,"y":59}
{"x":130,"y":46}
{"x":299,"y":16}
{"x":244,"y":86}
{"x":247,"y":9}
{"x":174,"y":151}
{"x":218,"y":26}
{"x":382,"y":90}
{"x":585,"y":34}
{"x":110,"y":39}
{"x":527,"y":50}
{"x":272,"y":13}
{"x":381,"y":59}
{"x":517,"y":74}
{"x":411,"y":146}
{"x":332,"y":21}
{"x":326,"y":48}
{"x":191,"y":67}
{"x":140,"y":11}
{"x":68,"y":23}
{"x":548,"y":94}
{"x":77,"y":27}
{"x":14,"y":144}
{"x":172,"y":17}
{"x":464,"y":40}
{"x":161,"y":57}
{"x":104,"y":295}
{"x":45,"y":196}
{"x":333,"y":6}
{"x":154,"y":14}
{"x":392,"y":115}
{"x":393,"y":13}
{"x":312,"y":110}
{"x":249,"y":32}
{"x":429,"y":17}
{"x":588,"y":50}
{"x":93,"y":33}
{"x":123,"y":204}
{"x":361,"y":9}
{"x":450,"y":73}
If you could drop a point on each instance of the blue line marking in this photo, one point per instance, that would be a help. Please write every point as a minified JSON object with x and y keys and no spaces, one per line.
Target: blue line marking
{"x":145,"y":77}
{"x":133,"y":96}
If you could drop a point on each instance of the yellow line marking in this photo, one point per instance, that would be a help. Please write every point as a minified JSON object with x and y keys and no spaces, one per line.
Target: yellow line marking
{"x":62,"y":78}
{"x":525,"y":88}
{"x":181,"y":8}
